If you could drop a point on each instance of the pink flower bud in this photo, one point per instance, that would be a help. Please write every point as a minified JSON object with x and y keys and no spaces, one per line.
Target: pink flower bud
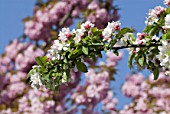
{"x":87,"y":26}
{"x":89,"y":33}
{"x":117,"y":27}
{"x":68,"y":36}
{"x":134,"y":52}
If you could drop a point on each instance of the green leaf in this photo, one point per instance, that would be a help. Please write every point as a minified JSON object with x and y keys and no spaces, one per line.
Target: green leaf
{"x":148,"y":28}
{"x":85,"y":50}
{"x":132,"y":36}
{"x":69,"y":55}
{"x":125,"y":30}
{"x":66,"y":76}
{"x":164,"y":36}
{"x":30,"y":73}
{"x":44,"y":59}
{"x":116,"y":52}
{"x":93,"y":57}
{"x":94,"y":30}
{"x":99,"y":54}
{"x":78,"y":25}
{"x":39,"y":61}
{"x":156,"y":73}
{"x":84,"y":40}
{"x":65,"y":60}
{"x":141,"y":61}
{"x":130,"y":60}
{"x":153,"y":31}
{"x":168,"y":53}
{"x":81,"y":67}
{"x":97,"y":44}
{"x":168,"y":34}
{"x":167,"y":10}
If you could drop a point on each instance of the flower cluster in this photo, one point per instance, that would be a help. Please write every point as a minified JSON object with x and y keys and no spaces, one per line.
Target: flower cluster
{"x":97,"y":87}
{"x":167,"y":2}
{"x":164,"y":54}
{"x":149,"y":96}
{"x":45,"y":19}
{"x":62,"y":56}
{"x":167,"y":22}
{"x":99,"y":15}
{"x":109,"y":30}
{"x":56,"y":48}
{"x":153,"y":15}
{"x":29,"y":55}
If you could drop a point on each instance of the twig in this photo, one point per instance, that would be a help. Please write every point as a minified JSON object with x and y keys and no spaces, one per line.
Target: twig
{"x":67,"y":111}
{"x":66,"y":16}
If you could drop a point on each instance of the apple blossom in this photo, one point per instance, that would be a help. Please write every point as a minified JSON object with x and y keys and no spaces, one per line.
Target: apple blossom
{"x":167,"y":22}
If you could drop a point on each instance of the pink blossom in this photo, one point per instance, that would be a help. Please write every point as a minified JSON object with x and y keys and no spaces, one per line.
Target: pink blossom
{"x":18,"y":46}
{"x":130,"y":89}
{"x":80,"y":99}
{"x":93,"y":6}
{"x":29,"y":56}
{"x":111,"y":105}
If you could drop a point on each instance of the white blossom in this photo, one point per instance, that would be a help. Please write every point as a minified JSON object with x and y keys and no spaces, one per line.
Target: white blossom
{"x":153,"y":15}
{"x":65,"y":78}
{"x":107,"y":34}
{"x":113,"y":25}
{"x":78,"y":35}
{"x":123,"y":41}
{"x":56,"y":48}
{"x":64,"y":34}
{"x":167,"y":21}
{"x":167,"y":2}
{"x":155,"y":38}
{"x":87,"y":25}
{"x":109,"y":30}
{"x":35,"y":78}
{"x":163,"y":55}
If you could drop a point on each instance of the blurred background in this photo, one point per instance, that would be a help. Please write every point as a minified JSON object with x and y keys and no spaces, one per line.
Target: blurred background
{"x":133,"y":14}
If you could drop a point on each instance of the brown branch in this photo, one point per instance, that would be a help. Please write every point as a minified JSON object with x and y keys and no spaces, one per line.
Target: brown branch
{"x":67,"y":16}
{"x":123,"y":47}
{"x":69,"y":110}
{"x":133,"y":46}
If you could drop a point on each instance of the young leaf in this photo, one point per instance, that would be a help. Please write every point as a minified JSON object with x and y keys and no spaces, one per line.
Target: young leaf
{"x":125,"y":30}
{"x":39,"y":61}
{"x":99,"y":54}
{"x":164,"y":36}
{"x":148,"y":28}
{"x":141,"y":61}
{"x":93,"y":57}
{"x":153,"y":31}
{"x":94,"y":30}
{"x":116,"y":52}
{"x":130,"y":60}
{"x":30,"y":73}
{"x":85,"y":50}
{"x":156,"y":73}
{"x":168,"y":53}
{"x":44,"y":59}
{"x":168,"y":35}
{"x":81,"y":67}
{"x":78,"y":25}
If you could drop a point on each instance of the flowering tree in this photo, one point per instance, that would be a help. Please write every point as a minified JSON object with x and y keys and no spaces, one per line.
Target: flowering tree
{"x":62,"y":54}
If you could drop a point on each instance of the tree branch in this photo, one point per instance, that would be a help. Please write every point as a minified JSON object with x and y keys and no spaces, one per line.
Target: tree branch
{"x":67,"y":111}
{"x":66,"y":16}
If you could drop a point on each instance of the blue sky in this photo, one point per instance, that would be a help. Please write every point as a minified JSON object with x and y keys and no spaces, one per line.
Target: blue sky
{"x":133,"y":14}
